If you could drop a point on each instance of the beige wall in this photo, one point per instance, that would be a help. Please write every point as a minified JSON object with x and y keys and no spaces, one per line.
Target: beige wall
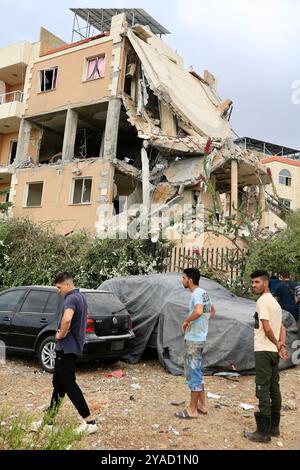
{"x":5,"y":141}
{"x":49,"y":41}
{"x":15,"y":54}
{"x":71,"y":85}
{"x":56,"y":202}
{"x":293,"y":192}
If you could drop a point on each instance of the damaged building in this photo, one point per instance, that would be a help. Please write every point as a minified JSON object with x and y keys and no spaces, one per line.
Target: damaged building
{"x":115,"y":119}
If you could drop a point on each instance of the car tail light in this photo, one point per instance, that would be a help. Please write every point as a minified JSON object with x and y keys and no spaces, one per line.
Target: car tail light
{"x":129,"y":323}
{"x":90,"y":326}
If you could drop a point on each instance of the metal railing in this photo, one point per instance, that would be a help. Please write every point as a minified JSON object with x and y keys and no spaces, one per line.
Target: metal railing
{"x":11,"y":97}
{"x":229,"y":261}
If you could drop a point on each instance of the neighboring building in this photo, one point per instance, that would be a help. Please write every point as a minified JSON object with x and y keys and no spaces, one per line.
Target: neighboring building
{"x":286,"y":178}
{"x":284,"y":163}
{"x":267,"y":148}
{"x":115,"y":117}
{"x":15,"y":63}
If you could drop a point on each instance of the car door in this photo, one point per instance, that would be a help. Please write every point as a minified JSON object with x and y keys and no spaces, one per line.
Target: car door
{"x":9,"y":302}
{"x":31,"y":319}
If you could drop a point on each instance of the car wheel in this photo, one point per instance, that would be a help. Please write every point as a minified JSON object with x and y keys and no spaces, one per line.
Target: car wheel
{"x":46,"y":354}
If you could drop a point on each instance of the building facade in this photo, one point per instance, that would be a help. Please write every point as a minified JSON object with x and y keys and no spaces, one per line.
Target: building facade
{"x":115,"y":120}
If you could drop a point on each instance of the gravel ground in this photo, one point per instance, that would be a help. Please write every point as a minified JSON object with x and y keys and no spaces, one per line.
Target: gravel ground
{"x":136,"y":412}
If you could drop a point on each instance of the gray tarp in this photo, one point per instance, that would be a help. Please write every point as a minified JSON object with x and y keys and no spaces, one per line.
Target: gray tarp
{"x":161,"y":301}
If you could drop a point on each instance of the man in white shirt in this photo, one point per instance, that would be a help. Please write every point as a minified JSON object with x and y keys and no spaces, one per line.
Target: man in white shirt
{"x":269,"y":346}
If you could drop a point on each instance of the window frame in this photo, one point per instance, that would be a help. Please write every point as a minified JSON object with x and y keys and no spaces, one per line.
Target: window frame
{"x":283,"y":200}
{"x":287,"y":178}
{"x":40,"y":79}
{"x":19,"y":302}
{"x":25,"y":206}
{"x":30,"y":291}
{"x":11,"y":143}
{"x":85,"y":78}
{"x":83,"y":178}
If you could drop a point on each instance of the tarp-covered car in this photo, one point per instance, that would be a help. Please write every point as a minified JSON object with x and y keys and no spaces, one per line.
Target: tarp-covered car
{"x":159,"y":303}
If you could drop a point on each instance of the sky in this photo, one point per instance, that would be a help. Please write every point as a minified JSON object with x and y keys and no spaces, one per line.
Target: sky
{"x":251,"y":46}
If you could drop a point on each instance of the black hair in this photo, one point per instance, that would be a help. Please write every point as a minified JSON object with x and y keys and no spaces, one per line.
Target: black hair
{"x":260,"y":273}
{"x":285,"y":274}
{"x":63,"y":277}
{"x":194,"y":274}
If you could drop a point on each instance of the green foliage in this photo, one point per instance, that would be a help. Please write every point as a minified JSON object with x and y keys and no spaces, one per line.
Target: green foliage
{"x":31,"y":254}
{"x":277,"y":252}
{"x":15,"y":434}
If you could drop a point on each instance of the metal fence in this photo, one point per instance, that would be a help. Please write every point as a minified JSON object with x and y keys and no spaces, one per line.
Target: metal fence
{"x":231,"y":262}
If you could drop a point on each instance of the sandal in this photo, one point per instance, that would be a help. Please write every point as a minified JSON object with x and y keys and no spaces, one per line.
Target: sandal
{"x":184,"y":415}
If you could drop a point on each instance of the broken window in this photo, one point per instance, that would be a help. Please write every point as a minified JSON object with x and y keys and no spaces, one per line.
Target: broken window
{"x":12,"y":151}
{"x":130,"y":80}
{"x":82,"y":191}
{"x":48,"y":79}
{"x":34,"y":194}
{"x":285,"y":178}
{"x":95,"y":67}
{"x":120,"y":204}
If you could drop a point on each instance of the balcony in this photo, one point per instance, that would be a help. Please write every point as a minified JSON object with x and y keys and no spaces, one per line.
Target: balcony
{"x":12,"y":97}
{"x":14,"y":61}
{"x":11,"y":111}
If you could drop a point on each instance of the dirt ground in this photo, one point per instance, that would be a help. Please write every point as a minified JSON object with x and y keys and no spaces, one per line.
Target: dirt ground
{"x":136,"y":412}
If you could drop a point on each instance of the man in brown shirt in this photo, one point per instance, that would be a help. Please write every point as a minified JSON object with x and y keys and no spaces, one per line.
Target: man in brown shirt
{"x":269,"y":346}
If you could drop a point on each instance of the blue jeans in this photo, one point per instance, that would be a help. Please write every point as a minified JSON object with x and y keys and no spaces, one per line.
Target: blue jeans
{"x":193,"y":365}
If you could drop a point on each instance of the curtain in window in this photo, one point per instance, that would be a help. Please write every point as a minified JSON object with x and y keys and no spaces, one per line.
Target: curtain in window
{"x":95,"y":68}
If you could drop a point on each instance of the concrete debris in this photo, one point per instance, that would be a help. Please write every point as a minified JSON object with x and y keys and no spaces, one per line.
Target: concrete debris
{"x":136,"y":386}
{"x":290,"y":406}
{"x":193,"y":101}
{"x":212,"y":396}
{"x":127,"y":169}
{"x":163,"y":193}
{"x":247,"y":407}
{"x":185,"y":172}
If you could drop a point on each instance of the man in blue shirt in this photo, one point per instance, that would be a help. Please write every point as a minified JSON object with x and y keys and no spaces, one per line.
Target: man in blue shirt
{"x":195,"y":329}
{"x":70,"y":339}
{"x":285,"y":294}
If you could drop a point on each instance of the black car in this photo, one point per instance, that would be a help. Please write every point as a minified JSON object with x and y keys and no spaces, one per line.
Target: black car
{"x":30,"y":316}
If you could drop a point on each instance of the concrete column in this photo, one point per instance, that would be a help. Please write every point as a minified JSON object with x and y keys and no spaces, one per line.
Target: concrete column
{"x":23,"y":141}
{"x":112,"y":129}
{"x":101,"y":152}
{"x":262,"y":207}
{"x":234,"y":188}
{"x":146,"y":179}
{"x":108,"y":151}
{"x":70,"y":136}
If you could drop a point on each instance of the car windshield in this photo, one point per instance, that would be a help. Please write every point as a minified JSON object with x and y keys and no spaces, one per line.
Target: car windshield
{"x":106,"y":304}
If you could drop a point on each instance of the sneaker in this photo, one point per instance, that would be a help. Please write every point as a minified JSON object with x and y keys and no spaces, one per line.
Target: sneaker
{"x":87,"y":428}
{"x":37,"y":425}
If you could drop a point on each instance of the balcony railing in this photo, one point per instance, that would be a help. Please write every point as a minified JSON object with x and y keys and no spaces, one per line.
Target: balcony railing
{"x":11,"y":97}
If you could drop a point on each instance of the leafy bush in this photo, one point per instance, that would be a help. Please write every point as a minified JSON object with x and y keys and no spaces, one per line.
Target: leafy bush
{"x":31,"y":254}
{"x":277,"y":252}
{"x":15,"y":434}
